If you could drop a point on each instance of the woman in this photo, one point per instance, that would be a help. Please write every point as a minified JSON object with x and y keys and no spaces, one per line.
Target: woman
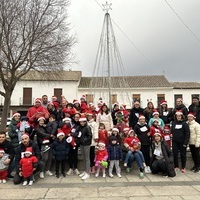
{"x":194,"y":141}
{"x":105,"y":117}
{"x":180,"y":138}
{"x":162,"y":158}
{"x":148,"y":111}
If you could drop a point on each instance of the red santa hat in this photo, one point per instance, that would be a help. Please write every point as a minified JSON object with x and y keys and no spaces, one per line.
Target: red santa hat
{"x":191,"y":114}
{"x":41,"y":118}
{"x":155,"y":120}
{"x":141,"y":117}
{"x":83,"y":97}
{"x":179,"y":99}
{"x":67,"y":119}
{"x":38,"y":100}
{"x":131,"y":131}
{"x":163,"y":102}
{"x":82,"y":118}
{"x":16,"y":114}
{"x":29,"y":150}
{"x":115,"y":129}
{"x":155,"y":112}
{"x":179,"y":112}
{"x":157,"y":133}
{"x":91,"y":104}
{"x":60,"y":133}
{"x":166,"y":129}
{"x":24,"y":136}
{"x":126,"y":129}
{"x":89,"y":113}
{"x":45,"y":141}
{"x":101,"y":143}
{"x":2,"y":151}
{"x":75,"y":101}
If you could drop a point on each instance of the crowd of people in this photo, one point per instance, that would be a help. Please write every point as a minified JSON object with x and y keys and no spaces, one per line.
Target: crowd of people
{"x":55,"y":131}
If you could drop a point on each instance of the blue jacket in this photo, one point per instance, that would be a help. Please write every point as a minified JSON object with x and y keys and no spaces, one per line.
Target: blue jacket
{"x":114,"y":152}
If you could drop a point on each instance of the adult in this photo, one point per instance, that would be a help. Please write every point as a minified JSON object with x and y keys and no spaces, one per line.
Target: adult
{"x":165,"y":113}
{"x":114,"y":111}
{"x":180,"y":139}
{"x":162,"y":157}
{"x":194,"y":141}
{"x":73,"y":152}
{"x":85,"y":140}
{"x":25,"y":143}
{"x":195,"y":108}
{"x":135,"y":112}
{"x":180,"y":107}
{"x":36,"y":112}
{"x":8,"y":148}
{"x":44,"y":101}
{"x":104,"y":116}
{"x":148,"y":111}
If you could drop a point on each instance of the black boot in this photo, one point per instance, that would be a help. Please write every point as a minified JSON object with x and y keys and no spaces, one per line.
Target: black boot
{"x":64,"y":174}
{"x":57,"y":175}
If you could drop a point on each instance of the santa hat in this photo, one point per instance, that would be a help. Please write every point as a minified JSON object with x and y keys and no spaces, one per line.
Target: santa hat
{"x":131,"y":131}
{"x":163,"y":102}
{"x":89,"y":113}
{"x":179,"y":99}
{"x":66,"y":119}
{"x":101,"y":143}
{"x":126,"y":129}
{"x":38,"y":100}
{"x":60,"y":133}
{"x":41,"y":118}
{"x":157,"y":133}
{"x":115,"y":129}
{"x":24,"y":136}
{"x":82,"y":118}
{"x":75,"y":101}
{"x":191,"y":114}
{"x":29,"y":150}
{"x":91,"y":104}
{"x":56,"y":104}
{"x":155,"y":120}
{"x":16,"y":114}
{"x":2,"y":151}
{"x":141,"y":117}
{"x":116,"y":104}
{"x":179,"y":112}
{"x":45,"y":141}
{"x":83,"y":97}
{"x":166,"y":129}
{"x":155,"y":112}
{"x":100,"y":101}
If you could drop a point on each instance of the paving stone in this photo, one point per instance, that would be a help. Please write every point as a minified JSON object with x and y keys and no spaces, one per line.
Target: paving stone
{"x":157,"y":198}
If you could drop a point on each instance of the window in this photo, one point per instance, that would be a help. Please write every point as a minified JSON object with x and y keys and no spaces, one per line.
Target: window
{"x":89,"y":98}
{"x":113,"y":98}
{"x":136,"y":97}
{"x":27,"y":96}
{"x":58,"y":93}
{"x":176,"y":96}
{"x":160,"y":97}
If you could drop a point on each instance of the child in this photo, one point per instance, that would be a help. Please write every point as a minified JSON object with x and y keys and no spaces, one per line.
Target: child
{"x":155,"y":128}
{"x":3,"y":167}
{"x":28,"y":165}
{"x":115,"y":132}
{"x":114,"y":156}
{"x":132,"y":143}
{"x":100,"y":159}
{"x":52,"y":126}
{"x":60,"y":151}
{"x":83,"y":104}
{"x":24,"y":127}
{"x":103,"y":133}
{"x":167,"y":135}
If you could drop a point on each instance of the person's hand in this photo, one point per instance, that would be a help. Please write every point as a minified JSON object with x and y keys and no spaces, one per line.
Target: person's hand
{"x":7,"y":161}
{"x":34,"y":169}
{"x":20,"y":173}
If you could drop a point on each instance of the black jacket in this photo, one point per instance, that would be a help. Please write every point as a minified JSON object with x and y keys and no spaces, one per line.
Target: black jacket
{"x":8,"y":148}
{"x":196,"y":110}
{"x":85,"y":135}
{"x":183,"y":108}
{"x":134,"y":114}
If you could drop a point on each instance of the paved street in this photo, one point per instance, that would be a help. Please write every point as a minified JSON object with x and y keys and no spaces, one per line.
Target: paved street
{"x":129,"y":187}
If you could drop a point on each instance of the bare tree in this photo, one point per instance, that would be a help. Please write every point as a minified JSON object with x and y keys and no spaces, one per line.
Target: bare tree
{"x":34,"y":35}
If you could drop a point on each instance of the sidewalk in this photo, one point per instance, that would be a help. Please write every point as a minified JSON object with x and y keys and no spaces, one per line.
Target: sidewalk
{"x":129,"y":187}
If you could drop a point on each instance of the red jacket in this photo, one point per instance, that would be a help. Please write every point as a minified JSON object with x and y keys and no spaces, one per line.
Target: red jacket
{"x":133,"y":142}
{"x":27,"y":165}
{"x":103,"y":136}
{"x":154,"y":130}
{"x":101,"y":155}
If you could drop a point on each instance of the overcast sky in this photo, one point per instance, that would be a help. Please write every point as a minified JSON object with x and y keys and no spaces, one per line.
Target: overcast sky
{"x":167,"y":46}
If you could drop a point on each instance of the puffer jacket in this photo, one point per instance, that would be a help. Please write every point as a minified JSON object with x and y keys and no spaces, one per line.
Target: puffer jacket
{"x":85,"y":135}
{"x":94,"y":127}
{"x":13,"y":133}
{"x":194,"y":133}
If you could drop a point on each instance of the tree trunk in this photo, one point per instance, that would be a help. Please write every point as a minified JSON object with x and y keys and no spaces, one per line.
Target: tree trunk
{"x":5,"y":111}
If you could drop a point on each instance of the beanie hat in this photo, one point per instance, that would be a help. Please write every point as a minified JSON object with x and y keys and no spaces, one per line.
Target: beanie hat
{"x":60,"y":133}
{"x":66,"y":119}
{"x":115,"y":129}
{"x":16,"y":114}
{"x":179,"y":112}
{"x":113,"y":138}
{"x":141,"y":117}
{"x":41,"y":118}
{"x":190,"y":114}
{"x":38,"y":100}
{"x":163,"y":102}
{"x":2,"y":151}
{"x":24,"y":118}
{"x":29,"y":150}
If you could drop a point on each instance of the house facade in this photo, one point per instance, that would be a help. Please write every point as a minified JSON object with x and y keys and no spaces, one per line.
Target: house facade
{"x":72,"y":85}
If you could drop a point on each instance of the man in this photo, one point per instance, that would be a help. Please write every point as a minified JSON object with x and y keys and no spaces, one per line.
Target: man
{"x":8,"y":148}
{"x":44,"y":102}
{"x":180,"y":107}
{"x":25,"y":143}
{"x":195,"y":108}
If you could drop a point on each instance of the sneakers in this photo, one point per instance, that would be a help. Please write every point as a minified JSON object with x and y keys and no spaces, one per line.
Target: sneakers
{"x":183,"y":170}
{"x":165,"y":175}
{"x":125,"y":164}
{"x":111,"y":175}
{"x":49,"y":173}
{"x":4,"y":181}
{"x":70,"y":172}
{"x":41,"y":175}
{"x":30,"y":183}
{"x":97,"y":175}
{"x":196,"y":170}
{"x":141,"y":175}
{"x":104,"y":176}
{"x":176,"y":169}
{"x":82,"y":174}
{"x":76,"y":172}
{"x":119,"y":175}
{"x":64,"y":175}
{"x":86,"y":176}
{"x":146,"y":170}
{"x":25,"y":183}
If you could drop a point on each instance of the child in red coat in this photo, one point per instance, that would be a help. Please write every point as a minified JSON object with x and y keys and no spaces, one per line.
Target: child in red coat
{"x":103,"y":133}
{"x":28,"y":165}
{"x":101,"y":159}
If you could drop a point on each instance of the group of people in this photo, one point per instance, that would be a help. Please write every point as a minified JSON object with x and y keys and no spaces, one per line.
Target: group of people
{"x":56,"y":130}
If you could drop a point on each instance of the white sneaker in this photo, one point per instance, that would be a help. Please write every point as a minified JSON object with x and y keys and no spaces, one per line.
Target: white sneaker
{"x":49,"y":173}
{"x":125,"y":164}
{"x":119,"y":175}
{"x":86,"y":176}
{"x":0,"y":181}
{"x":149,"y":170}
{"x":111,"y":175}
{"x":30,"y":183}
{"x":104,"y":175}
{"x":3,"y":181}
{"x":70,"y":172}
{"x":76,"y":172}
{"x":82,"y":174}
{"x":41,"y":175}
{"x":97,"y":175}
{"x":25,"y":183}
{"x":146,"y":170}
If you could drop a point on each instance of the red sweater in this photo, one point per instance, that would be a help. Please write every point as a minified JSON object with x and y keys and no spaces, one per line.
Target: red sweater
{"x":133,"y":142}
